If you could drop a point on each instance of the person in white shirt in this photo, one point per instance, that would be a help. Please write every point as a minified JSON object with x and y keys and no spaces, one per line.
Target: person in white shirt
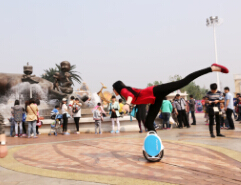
{"x":76,"y":110}
{"x":71,"y":104}
{"x":65,"y":118}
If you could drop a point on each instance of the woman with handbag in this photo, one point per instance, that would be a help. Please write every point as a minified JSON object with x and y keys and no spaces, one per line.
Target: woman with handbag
{"x":32,"y":118}
{"x":156,"y":94}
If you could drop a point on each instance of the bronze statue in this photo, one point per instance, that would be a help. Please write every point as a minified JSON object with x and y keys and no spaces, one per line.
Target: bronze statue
{"x":56,"y":81}
{"x":65,"y":83}
{"x":27,"y":77}
{"x":102,"y":95}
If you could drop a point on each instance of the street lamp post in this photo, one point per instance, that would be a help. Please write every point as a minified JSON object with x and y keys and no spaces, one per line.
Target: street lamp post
{"x":214,"y":21}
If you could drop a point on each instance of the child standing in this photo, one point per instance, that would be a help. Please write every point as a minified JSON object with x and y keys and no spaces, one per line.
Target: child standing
{"x":121,"y":105}
{"x":114,"y":108}
{"x":97,"y":117}
{"x":223,"y":120}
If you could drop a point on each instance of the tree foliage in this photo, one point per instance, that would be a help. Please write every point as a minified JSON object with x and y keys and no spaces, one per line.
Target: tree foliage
{"x":154,"y":83}
{"x":192,"y":88}
{"x":48,"y":75}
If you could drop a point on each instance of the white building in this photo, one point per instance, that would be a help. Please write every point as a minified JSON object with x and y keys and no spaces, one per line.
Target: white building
{"x":237,"y":83}
{"x":173,"y":94}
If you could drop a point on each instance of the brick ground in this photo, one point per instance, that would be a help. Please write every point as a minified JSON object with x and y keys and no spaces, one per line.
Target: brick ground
{"x":120,"y":155}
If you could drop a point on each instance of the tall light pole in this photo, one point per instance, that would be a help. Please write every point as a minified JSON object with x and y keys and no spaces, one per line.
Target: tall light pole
{"x":214,"y":21}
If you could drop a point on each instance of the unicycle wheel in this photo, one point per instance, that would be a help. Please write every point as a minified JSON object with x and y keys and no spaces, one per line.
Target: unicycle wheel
{"x":157,"y":158}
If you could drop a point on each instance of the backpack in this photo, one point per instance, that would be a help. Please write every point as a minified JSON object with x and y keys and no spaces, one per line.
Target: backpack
{"x":75,"y":109}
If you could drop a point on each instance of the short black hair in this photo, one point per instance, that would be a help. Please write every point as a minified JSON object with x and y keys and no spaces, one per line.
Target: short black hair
{"x":57,"y":106}
{"x":238,"y":94}
{"x":99,"y":104}
{"x":72,"y":97}
{"x":113,"y":97}
{"x":16,"y":102}
{"x":177,"y":95}
{"x":191,"y":96}
{"x":120,"y":100}
{"x":37,"y":101}
{"x":76,"y":99}
{"x":213,"y":86}
{"x":32,"y":100}
{"x":226,"y":88}
{"x":165,"y":98}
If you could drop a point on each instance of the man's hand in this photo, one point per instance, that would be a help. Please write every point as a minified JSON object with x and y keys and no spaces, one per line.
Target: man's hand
{"x":126,"y":108}
{"x":216,"y":101}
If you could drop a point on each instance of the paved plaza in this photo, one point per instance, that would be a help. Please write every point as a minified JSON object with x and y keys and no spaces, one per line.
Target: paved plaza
{"x":190,"y":157}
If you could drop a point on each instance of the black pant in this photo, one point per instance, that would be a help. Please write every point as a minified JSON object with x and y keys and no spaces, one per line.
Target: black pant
{"x":182,"y":118}
{"x":229,"y":118}
{"x":76,"y":120}
{"x":193,"y":117}
{"x":163,"y":90}
{"x":211,"y":121}
{"x":24,"y":128}
{"x":37,"y":132}
{"x":65,"y":122}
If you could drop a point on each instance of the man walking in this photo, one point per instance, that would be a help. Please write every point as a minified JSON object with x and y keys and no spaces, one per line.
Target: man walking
{"x":214,"y":99}
{"x":192,"y":104}
{"x":179,"y":106}
{"x":229,"y":107}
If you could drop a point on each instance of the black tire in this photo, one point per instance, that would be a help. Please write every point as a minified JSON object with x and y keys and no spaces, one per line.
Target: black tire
{"x":156,"y":160}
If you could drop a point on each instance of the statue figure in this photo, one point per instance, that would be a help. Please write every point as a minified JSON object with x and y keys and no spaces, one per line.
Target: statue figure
{"x":102,"y":96}
{"x":27,"y":77}
{"x":56,"y":80}
{"x":65,"y":83}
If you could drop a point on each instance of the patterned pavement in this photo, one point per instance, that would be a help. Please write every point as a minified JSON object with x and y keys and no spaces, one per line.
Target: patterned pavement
{"x":117,"y":159}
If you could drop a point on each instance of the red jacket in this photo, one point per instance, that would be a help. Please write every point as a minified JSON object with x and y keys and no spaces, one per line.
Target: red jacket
{"x":145,"y":96}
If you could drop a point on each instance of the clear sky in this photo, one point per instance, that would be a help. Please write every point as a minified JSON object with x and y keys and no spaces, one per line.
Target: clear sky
{"x":135,"y":41}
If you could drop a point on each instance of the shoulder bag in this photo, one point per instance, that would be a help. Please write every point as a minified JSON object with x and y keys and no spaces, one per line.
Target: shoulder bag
{"x":38,"y":122}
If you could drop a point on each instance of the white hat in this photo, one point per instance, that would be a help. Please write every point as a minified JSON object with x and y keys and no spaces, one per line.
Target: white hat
{"x":64,"y":99}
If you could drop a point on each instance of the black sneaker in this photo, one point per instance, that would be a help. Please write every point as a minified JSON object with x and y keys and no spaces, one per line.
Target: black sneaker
{"x":212,"y":135}
{"x":188,"y":126}
{"x":193,"y":124}
{"x":180,"y":127}
{"x":231,"y":129}
{"x":220,"y":135}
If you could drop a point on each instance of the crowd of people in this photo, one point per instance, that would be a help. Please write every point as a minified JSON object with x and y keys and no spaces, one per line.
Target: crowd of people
{"x":218,"y":107}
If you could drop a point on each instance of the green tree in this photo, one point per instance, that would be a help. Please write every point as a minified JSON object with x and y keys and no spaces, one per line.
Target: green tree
{"x":48,"y":75}
{"x":191,"y":89}
{"x":74,"y":74}
{"x":175,"y":78}
{"x":154,"y":83}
